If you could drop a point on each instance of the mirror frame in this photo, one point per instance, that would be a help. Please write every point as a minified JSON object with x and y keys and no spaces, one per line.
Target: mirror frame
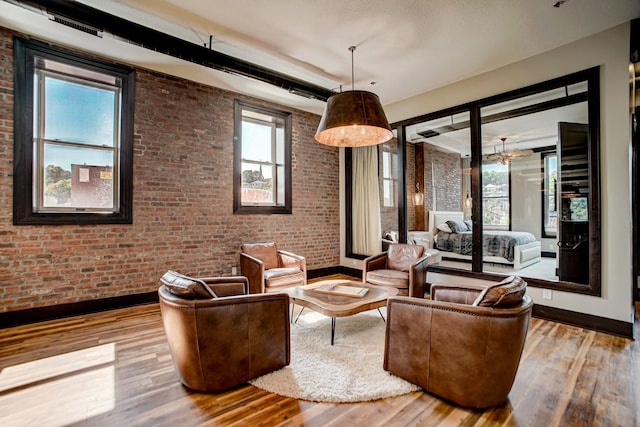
{"x":592,"y":77}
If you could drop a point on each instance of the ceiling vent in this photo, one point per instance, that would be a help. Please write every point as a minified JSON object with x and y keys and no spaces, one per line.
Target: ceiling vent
{"x":76,"y":25}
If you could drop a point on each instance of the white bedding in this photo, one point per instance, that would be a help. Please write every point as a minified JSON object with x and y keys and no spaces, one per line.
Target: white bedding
{"x":523,"y":254}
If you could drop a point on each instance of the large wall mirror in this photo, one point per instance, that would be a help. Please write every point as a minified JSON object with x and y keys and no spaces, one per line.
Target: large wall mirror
{"x":508,"y":184}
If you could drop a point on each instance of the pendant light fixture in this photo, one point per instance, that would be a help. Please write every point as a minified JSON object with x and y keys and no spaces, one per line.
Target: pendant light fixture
{"x":418,"y":196}
{"x":353,"y":118}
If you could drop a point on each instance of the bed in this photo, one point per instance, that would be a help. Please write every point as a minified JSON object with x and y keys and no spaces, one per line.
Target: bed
{"x":514,"y":248}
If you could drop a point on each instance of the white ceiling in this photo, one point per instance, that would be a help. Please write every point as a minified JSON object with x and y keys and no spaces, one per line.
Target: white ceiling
{"x":406,"y":47}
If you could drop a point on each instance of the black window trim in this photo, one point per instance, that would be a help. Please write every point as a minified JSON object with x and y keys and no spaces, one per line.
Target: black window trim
{"x":238,"y":208}
{"x":23,"y":212}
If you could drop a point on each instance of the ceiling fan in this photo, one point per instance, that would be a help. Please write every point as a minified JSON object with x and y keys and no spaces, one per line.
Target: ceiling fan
{"x":505,"y":157}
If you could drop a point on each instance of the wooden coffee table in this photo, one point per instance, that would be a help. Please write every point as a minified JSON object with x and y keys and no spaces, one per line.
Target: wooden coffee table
{"x":333,"y":305}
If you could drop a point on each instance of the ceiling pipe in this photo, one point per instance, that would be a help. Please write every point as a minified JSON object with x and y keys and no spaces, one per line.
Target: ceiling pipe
{"x":157,"y":41}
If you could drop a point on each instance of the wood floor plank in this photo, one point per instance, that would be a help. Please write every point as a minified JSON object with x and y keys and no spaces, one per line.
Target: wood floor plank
{"x":114,"y":369}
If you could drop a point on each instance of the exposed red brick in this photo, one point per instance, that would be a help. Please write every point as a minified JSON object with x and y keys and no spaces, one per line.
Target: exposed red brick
{"x":183,"y":195}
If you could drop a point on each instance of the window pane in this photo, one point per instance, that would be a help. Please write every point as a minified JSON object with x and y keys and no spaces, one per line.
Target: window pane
{"x":550,"y":187}
{"x":386,"y":164}
{"x":495,"y":211}
{"x":280,"y":200}
{"x":77,"y":177}
{"x":257,"y":184}
{"x":387,"y":190}
{"x":79,"y":113}
{"x":280,"y":145}
{"x":256,"y":142}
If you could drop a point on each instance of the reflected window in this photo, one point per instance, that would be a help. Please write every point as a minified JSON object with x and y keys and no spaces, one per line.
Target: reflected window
{"x":549,"y":196}
{"x":495,"y":196}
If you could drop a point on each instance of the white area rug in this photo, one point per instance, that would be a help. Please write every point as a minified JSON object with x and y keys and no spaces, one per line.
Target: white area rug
{"x":349,"y":371}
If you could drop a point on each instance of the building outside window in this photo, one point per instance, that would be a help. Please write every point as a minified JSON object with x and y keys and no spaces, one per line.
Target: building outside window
{"x":262,"y":160}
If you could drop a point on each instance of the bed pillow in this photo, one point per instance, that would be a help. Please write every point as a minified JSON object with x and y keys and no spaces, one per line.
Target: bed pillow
{"x":444,"y":227}
{"x":469,"y":224}
{"x":457,"y":226}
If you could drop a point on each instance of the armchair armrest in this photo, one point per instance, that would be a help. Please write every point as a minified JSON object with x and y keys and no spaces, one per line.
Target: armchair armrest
{"x":291,"y":260}
{"x":227,"y":286}
{"x":461,"y":294}
{"x":253,"y":269}
{"x":374,"y":262}
{"x":418,"y":277}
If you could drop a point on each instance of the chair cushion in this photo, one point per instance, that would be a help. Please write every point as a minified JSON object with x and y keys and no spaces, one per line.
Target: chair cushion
{"x":503,"y":294}
{"x":283,"y":277}
{"x":186,"y":287}
{"x":265,"y":252}
{"x":401,"y":257}
{"x":395,"y":278}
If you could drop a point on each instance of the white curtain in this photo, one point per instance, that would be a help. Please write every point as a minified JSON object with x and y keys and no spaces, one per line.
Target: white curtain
{"x":366,"y":228}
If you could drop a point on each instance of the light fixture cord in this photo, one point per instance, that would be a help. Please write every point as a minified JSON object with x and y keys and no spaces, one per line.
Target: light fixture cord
{"x":352,"y":48}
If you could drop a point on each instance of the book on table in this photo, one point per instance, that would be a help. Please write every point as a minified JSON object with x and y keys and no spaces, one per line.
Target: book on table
{"x":335,"y":289}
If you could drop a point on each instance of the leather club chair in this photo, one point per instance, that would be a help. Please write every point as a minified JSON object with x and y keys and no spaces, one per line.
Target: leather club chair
{"x":464,"y":344}
{"x":270,"y":269}
{"x":402,"y":266}
{"x":219,"y":336}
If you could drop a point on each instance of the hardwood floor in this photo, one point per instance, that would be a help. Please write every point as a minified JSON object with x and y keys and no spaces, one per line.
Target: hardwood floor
{"x":114,"y":369}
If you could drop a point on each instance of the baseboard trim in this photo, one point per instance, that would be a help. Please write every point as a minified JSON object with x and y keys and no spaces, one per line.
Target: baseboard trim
{"x":582,"y":320}
{"x":60,"y":311}
{"x":42,"y":314}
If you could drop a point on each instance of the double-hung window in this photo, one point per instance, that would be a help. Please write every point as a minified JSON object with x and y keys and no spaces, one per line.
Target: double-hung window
{"x":262,"y":160}
{"x":73,"y":138}
{"x":389,"y":181}
{"x":495,"y":196}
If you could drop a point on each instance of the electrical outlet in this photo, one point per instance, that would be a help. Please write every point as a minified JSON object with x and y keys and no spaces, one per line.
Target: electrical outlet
{"x":547,"y":294}
{"x":234,"y":271}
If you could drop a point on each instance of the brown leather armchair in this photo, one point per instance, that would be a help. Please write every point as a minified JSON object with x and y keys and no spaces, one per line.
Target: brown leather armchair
{"x":270,"y":269}
{"x":219,"y":336}
{"x":401,"y":266}
{"x":464,"y":344}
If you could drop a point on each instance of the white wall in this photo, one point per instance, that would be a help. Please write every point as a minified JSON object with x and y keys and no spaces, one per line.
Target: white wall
{"x":526,"y":200}
{"x":610,"y":51}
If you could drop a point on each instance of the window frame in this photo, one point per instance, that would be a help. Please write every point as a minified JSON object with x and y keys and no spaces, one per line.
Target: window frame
{"x":285,"y":118}
{"x":392,"y":179}
{"x":24,"y":207}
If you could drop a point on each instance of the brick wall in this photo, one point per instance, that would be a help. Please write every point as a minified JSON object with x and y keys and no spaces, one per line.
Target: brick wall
{"x":447,"y":173}
{"x":183,"y":195}
{"x":411,"y":186}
